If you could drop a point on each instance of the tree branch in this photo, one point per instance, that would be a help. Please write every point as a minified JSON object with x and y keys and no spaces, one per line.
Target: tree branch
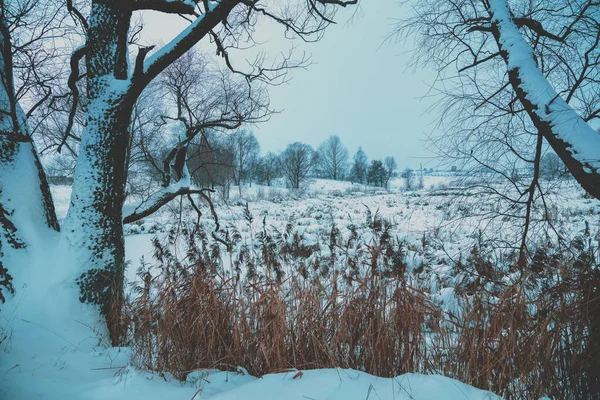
{"x":184,"y":41}
{"x":139,"y":61}
{"x":77,"y":16}
{"x":537,"y":27}
{"x":72,"y":83}
{"x":187,"y":7}
{"x":573,"y":140}
{"x":159,"y":199}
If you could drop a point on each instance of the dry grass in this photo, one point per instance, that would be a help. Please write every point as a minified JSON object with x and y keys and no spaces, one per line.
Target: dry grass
{"x":535,"y":335}
{"x":525,"y":346}
{"x":206,"y":321}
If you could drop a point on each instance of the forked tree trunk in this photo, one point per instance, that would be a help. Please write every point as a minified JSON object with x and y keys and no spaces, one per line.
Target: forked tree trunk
{"x":93,"y":226}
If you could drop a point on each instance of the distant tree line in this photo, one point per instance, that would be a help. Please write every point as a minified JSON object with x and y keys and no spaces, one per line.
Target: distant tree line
{"x":219,"y":161}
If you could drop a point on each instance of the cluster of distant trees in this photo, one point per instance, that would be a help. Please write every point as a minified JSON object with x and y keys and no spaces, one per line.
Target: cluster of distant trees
{"x":223,"y":160}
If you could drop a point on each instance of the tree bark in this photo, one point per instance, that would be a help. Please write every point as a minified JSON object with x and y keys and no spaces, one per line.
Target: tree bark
{"x":94,"y":226}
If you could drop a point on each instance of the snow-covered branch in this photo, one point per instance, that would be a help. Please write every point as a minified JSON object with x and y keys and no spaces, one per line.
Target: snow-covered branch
{"x":183,"y":186}
{"x":215,"y":14}
{"x":166,"y":6}
{"x":76,"y":57}
{"x":577,"y":144}
{"x":159,"y":199}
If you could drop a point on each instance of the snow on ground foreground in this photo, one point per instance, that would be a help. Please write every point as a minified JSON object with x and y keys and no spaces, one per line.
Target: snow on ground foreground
{"x":52,"y":351}
{"x":71,"y":374}
{"x":51,"y":348}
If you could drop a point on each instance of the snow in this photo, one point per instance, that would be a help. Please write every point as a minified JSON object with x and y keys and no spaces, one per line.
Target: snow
{"x":53,"y":350}
{"x":54,"y":347}
{"x":53,"y":353}
{"x":104,"y":375}
{"x":137,"y":247}
{"x":61,"y":194}
{"x":20,"y":190}
{"x":567,"y":124}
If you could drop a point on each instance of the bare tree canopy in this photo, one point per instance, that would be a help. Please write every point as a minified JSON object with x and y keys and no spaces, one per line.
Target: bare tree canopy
{"x":538,"y":58}
{"x":245,"y":149}
{"x":333,"y":158}
{"x":203,"y":98}
{"x":269,"y":168}
{"x":514,"y":78}
{"x":297,"y":164}
{"x":390,"y":167}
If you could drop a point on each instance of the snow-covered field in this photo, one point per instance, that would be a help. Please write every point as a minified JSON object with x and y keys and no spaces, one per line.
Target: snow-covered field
{"x":438,"y":225}
{"x":48,"y":355}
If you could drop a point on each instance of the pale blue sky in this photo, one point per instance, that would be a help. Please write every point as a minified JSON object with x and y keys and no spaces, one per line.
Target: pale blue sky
{"x":358,"y":87}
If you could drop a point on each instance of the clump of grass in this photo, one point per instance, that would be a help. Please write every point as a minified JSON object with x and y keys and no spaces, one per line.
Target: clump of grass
{"x":298,"y":310}
{"x":537,"y":335}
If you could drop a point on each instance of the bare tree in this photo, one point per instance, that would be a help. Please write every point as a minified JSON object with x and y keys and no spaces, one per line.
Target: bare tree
{"x":246,"y":151}
{"x":269,"y":168}
{"x":93,"y":225}
{"x":200,"y":98}
{"x":333,"y":158}
{"x":528,"y":76}
{"x":390,"y":168}
{"x":297,"y":164}
{"x":211,"y":163}
{"x":409,"y":178}
{"x":558,"y":123}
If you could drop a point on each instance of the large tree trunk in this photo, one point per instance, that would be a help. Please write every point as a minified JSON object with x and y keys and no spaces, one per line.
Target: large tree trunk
{"x":26,"y":204}
{"x":94,"y":226}
{"x":573,"y":140}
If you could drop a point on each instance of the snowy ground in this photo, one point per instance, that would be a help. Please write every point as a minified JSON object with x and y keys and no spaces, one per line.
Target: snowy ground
{"x":451,"y":220}
{"x":47,"y":354}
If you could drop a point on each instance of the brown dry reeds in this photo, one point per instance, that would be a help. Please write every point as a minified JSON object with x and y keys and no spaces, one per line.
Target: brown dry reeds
{"x":535,"y":335}
{"x":527,"y":342}
{"x":206,"y":322}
